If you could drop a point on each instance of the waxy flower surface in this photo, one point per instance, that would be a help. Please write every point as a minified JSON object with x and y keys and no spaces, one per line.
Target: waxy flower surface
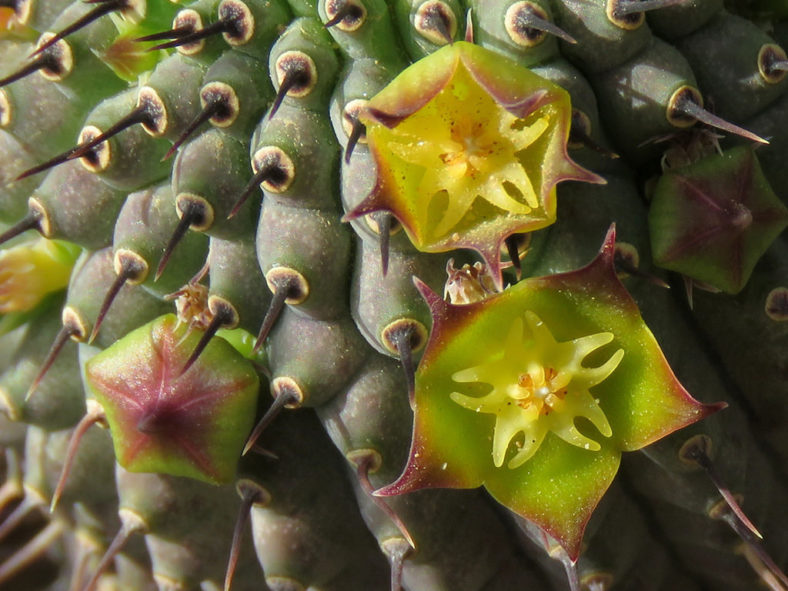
{"x":469,"y":148}
{"x":163,"y":420}
{"x":535,"y":393}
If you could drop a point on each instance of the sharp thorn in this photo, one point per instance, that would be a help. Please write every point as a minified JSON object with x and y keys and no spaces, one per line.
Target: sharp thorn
{"x":634,"y":6}
{"x":625,"y":266}
{"x":396,"y":561}
{"x":384,"y":226}
{"x":528,"y":20}
{"x":30,"y":552}
{"x":274,"y":310}
{"x":51,"y":163}
{"x":577,"y":135}
{"x":127,"y":529}
{"x":363,"y":465}
{"x":105,"y":7}
{"x":176,"y":33}
{"x":30,"y":222}
{"x":213,"y":29}
{"x":187,"y":218}
{"x":249,"y":498}
{"x":37,"y":64}
{"x":700,"y":457}
{"x":137,"y":115}
{"x":287,"y":397}
{"x":95,"y":414}
{"x":355,"y":135}
{"x":758,"y":557}
{"x":692,"y":109}
{"x":208,"y":111}
{"x":402,"y":340}
{"x":292,"y":77}
{"x":217,"y":322}
{"x":345,"y":10}
{"x":62,"y":337}
{"x":254,"y":183}
{"x":514,"y":255}
{"x":112,"y":293}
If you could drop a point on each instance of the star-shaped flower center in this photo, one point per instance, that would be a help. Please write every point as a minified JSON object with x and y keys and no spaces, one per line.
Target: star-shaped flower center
{"x":468,"y":147}
{"x":539,"y":386}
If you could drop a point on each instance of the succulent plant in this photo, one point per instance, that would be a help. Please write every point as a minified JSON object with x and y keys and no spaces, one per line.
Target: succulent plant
{"x":378,"y":295}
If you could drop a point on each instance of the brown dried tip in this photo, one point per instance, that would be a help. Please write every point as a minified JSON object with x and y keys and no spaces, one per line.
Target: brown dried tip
{"x":346,"y":15}
{"x":217,"y":28}
{"x":129,"y":526}
{"x":272,"y":172}
{"x":685,"y":107}
{"x":31,"y":221}
{"x":188,"y":217}
{"x":626,"y":7}
{"x":356,"y":133}
{"x":176,"y":33}
{"x":104,"y":7}
{"x":209,"y":110}
{"x":132,"y":268}
{"x":43,"y":61}
{"x":251,"y":494}
{"x":527,"y":23}
{"x":95,"y":414}
{"x":402,"y":337}
{"x":285,"y":397}
{"x":297,"y":76}
{"x":436,"y":22}
{"x":697,"y":450}
{"x":288,"y":286}
{"x":367,"y":462}
{"x":224,"y":316}
{"x":69,"y":329}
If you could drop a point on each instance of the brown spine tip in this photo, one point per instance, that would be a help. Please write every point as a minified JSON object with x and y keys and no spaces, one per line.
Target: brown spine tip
{"x":131,"y":523}
{"x":193,"y":212}
{"x":436,"y":22}
{"x":287,"y":394}
{"x":359,"y":130}
{"x":685,"y":107}
{"x":104,"y":7}
{"x":527,"y":25}
{"x":224,"y":316}
{"x":275,"y":171}
{"x":289,"y":287}
{"x":368,"y":461}
{"x":208,"y":111}
{"x":129,"y":267}
{"x":296,"y":73}
{"x":216,"y":28}
{"x":403,"y":337}
{"x":174,"y":33}
{"x":31,"y":221}
{"x":75,"y":328}
{"x":345,"y":15}
{"x":138,"y":115}
{"x":251,"y":494}
{"x":95,"y":413}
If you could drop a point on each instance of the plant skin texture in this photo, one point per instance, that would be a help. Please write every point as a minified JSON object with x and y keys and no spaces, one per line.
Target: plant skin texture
{"x":584,"y":351}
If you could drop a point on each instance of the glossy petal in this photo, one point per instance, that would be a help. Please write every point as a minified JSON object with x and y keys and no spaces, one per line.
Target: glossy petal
{"x":536,"y":391}
{"x":194,"y":424}
{"x":469,"y":148}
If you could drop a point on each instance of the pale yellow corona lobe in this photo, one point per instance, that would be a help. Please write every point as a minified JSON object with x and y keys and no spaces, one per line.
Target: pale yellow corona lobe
{"x":468,"y":146}
{"x":539,"y":386}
